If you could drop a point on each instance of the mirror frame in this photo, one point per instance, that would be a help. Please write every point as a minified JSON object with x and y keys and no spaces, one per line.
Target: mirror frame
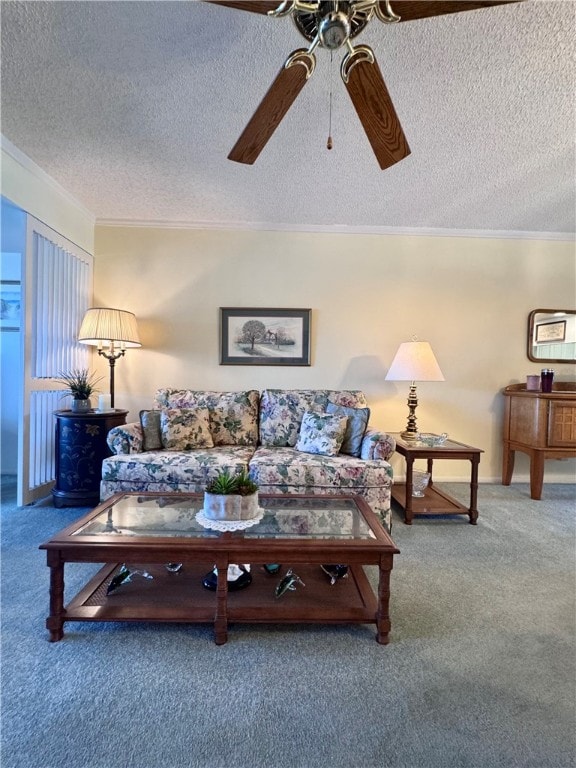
{"x":531,"y":323}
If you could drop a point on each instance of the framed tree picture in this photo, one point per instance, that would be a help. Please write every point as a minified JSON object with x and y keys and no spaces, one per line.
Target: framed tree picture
{"x":264,"y":336}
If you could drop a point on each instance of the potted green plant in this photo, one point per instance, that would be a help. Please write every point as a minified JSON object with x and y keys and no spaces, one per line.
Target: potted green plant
{"x":79,"y":383}
{"x":231,"y":497}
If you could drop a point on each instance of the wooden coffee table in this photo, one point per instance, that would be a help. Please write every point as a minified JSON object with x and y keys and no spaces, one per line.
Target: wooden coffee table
{"x":147,"y":531}
{"x":435,"y":501}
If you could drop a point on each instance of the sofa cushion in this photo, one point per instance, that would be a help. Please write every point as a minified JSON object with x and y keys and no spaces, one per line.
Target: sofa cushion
{"x":233,"y":415}
{"x":151,"y":432}
{"x":355,"y":428}
{"x":172,"y":469}
{"x":281,"y":411}
{"x":321,"y":433}
{"x":184,"y":429}
{"x":275,"y":469}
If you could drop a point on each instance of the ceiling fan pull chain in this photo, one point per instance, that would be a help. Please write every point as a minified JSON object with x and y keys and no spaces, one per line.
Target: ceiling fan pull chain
{"x":329,"y":143}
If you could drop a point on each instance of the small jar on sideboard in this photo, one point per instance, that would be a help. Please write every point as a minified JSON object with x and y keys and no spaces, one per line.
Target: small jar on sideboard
{"x":81,"y":448}
{"x":540,"y":424}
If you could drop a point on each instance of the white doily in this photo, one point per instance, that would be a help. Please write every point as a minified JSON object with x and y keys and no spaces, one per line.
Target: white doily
{"x":227,"y":525}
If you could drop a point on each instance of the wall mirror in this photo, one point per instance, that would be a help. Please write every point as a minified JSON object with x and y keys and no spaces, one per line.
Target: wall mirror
{"x":552,"y":336}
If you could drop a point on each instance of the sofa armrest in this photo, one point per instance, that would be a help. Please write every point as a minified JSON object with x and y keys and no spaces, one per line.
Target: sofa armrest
{"x":126,"y":438}
{"x":377,"y":445}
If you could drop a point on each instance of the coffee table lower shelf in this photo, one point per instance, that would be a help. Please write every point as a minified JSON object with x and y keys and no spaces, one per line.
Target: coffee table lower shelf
{"x":181,"y":598}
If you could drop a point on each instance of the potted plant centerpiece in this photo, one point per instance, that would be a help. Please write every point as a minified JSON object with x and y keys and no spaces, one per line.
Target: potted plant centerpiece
{"x":80,"y":384}
{"x":231,"y":497}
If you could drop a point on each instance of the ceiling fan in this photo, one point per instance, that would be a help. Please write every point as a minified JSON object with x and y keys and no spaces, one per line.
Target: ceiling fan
{"x":333,"y":25}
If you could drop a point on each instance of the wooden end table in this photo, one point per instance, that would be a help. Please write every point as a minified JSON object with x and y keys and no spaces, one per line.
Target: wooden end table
{"x":435,"y":501}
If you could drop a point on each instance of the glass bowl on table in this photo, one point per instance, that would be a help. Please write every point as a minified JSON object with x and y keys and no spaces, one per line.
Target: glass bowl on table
{"x":432,"y":440}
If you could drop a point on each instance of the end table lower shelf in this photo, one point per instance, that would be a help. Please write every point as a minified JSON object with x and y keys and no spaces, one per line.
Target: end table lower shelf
{"x":434,"y":502}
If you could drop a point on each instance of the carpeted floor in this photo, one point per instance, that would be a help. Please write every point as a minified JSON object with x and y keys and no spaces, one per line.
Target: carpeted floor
{"x":480,"y":671}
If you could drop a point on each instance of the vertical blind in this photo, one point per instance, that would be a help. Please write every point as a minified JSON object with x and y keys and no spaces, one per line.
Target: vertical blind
{"x":41,"y":468}
{"x":61,"y":288}
{"x":60,"y":292}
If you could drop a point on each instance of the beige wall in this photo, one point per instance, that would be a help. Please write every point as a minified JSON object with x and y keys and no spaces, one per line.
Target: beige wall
{"x":470,"y":298}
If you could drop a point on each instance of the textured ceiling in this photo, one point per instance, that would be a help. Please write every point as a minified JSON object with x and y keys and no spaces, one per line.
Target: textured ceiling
{"x":134,"y":106}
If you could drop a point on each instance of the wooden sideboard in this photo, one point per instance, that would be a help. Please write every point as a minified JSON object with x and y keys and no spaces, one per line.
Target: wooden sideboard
{"x":541,"y":424}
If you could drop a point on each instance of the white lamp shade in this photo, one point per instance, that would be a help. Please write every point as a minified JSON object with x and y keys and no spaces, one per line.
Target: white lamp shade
{"x":102,"y":325}
{"x":414,"y":361}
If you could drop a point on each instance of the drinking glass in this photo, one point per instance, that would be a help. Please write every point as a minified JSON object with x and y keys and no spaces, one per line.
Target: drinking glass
{"x":546,"y":379}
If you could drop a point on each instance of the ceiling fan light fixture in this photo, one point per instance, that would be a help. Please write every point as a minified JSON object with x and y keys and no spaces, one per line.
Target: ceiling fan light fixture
{"x":334,"y":30}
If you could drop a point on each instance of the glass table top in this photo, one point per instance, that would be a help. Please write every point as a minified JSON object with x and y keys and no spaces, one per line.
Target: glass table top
{"x":321,"y":517}
{"x":447,"y":445}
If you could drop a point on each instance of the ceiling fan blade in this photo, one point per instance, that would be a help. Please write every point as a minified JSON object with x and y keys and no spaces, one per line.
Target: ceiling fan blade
{"x":277,"y":101}
{"x":409,"y":10}
{"x":254,"y":6}
{"x":367,"y":89}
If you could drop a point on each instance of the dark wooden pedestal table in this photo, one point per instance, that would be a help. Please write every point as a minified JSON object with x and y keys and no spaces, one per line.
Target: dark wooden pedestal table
{"x":435,"y":501}
{"x":81,"y":448}
{"x":146,"y":531}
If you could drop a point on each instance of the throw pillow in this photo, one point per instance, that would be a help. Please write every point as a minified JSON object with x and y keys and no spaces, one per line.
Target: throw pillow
{"x":185,"y":428}
{"x":355,"y":429}
{"x":281,"y":411}
{"x":151,"y":434}
{"x":321,"y":433}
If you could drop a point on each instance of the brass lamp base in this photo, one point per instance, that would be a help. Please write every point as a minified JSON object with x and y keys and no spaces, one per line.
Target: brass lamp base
{"x":112,"y":356}
{"x":411,"y":431}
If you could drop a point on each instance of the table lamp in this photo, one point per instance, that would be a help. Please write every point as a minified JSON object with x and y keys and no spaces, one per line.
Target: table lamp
{"x":414,"y":361}
{"x":109,"y":329}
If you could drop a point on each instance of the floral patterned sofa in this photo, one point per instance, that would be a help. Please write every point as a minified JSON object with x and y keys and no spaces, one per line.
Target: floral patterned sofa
{"x":291,"y":441}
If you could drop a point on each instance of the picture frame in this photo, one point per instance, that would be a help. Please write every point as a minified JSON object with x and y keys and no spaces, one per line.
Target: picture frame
{"x":254,"y":336}
{"x":549,"y":333}
{"x":10,"y":305}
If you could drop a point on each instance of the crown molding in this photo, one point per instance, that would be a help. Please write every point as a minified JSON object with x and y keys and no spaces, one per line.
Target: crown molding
{"x":339,"y":229}
{"x":22,"y":159}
